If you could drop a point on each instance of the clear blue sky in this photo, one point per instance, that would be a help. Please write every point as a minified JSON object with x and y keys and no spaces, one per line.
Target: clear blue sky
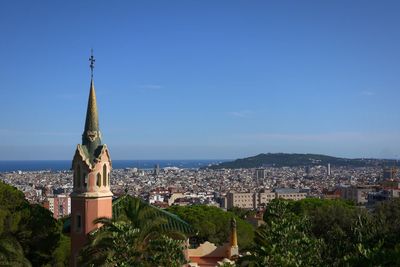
{"x":201,"y":79}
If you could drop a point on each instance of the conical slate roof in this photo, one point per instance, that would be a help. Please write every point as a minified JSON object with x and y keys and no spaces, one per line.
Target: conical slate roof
{"x":91,"y":138}
{"x":92,"y":118}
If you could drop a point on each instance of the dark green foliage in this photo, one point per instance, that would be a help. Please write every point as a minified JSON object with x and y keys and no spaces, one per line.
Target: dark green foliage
{"x":242,"y":213}
{"x":41,"y":235}
{"x":290,"y":160}
{"x":377,"y":236}
{"x":332,"y":221}
{"x":308,"y":205}
{"x":28,"y":233}
{"x":11,"y":252}
{"x":285,"y":240}
{"x":165,"y":251}
{"x":13,"y":209}
{"x":212,"y":224}
{"x":387,"y":215}
{"x":350,"y":236}
{"x":61,"y":255}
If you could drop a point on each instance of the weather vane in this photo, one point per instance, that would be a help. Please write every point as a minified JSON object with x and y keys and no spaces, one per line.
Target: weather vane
{"x":92,"y":60}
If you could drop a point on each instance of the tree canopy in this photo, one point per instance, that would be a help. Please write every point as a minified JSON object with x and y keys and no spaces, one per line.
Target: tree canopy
{"x":29,"y":235}
{"x":212,"y":224}
{"x":336,"y":233}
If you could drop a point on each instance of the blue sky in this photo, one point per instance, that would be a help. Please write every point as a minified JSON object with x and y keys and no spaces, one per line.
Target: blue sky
{"x":201,"y":79}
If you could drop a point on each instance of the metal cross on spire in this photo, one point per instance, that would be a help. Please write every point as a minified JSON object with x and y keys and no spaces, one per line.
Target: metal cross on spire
{"x":92,"y":60}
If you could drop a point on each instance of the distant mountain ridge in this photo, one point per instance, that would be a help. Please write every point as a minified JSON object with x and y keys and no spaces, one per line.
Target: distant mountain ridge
{"x":292,"y":160}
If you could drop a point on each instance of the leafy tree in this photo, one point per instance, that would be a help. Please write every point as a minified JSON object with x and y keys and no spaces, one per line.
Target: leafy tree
{"x":376,"y":237}
{"x":367,"y":251}
{"x":61,"y":255}
{"x":309,"y":205}
{"x":285,"y":240}
{"x":387,"y":216}
{"x":165,"y":251}
{"x":332,"y":221}
{"x":40,"y":235}
{"x":212,"y":224}
{"x":11,"y":252}
{"x":28,"y":233}
{"x":354,"y":236}
{"x":12,"y":210}
{"x":242,"y":213}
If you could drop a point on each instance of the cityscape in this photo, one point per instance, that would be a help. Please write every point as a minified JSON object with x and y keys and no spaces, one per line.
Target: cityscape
{"x":246,"y":189}
{"x":199,"y":134}
{"x":168,"y":186}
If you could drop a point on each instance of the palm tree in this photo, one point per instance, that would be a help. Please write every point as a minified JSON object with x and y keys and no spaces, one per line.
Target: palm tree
{"x":138,"y":235}
{"x":114,"y":244}
{"x":140,"y":213}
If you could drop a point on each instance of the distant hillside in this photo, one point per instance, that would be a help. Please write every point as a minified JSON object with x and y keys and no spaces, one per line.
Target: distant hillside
{"x":291,"y":160}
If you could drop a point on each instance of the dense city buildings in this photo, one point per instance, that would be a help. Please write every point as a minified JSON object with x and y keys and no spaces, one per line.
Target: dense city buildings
{"x":174,"y":186}
{"x":261,"y":199}
{"x":357,"y":193}
{"x":240,"y":200}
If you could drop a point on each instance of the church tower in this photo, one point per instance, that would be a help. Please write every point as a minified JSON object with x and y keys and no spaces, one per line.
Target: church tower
{"x":91,"y":197}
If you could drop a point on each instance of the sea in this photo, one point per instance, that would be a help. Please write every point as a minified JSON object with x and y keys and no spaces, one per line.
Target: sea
{"x":63,"y":165}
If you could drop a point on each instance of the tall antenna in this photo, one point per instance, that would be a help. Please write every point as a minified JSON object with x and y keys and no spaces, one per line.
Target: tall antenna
{"x":92,"y":60}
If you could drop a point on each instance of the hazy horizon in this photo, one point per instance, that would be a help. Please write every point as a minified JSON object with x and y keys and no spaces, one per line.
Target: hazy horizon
{"x":201,"y":159}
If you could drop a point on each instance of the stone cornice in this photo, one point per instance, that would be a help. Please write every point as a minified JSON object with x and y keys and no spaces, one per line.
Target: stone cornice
{"x":91,"y":194}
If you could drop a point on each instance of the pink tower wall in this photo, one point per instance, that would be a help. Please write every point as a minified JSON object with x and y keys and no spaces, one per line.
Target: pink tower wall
{"x":89,"y":209}
{"x":90,"y":202}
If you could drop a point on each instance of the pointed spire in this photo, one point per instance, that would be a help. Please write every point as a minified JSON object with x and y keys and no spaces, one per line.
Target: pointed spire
{"x":92,"y":119}
{"x":91,"y":137}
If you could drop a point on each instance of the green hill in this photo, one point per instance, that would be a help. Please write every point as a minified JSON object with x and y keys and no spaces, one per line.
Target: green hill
{"x":292,"y":160}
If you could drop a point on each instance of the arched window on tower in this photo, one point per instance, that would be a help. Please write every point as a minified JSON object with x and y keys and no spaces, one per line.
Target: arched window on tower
{"x":98,"y":182}
{"x":104,"y":175}
{"x":85,"y":180}
{"x":108,"y":179}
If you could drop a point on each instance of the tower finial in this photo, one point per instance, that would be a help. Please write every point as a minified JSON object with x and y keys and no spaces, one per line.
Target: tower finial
{"x":92,"y":60}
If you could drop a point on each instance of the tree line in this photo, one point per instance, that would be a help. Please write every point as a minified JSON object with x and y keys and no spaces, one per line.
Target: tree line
{"x":314,"y":232}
